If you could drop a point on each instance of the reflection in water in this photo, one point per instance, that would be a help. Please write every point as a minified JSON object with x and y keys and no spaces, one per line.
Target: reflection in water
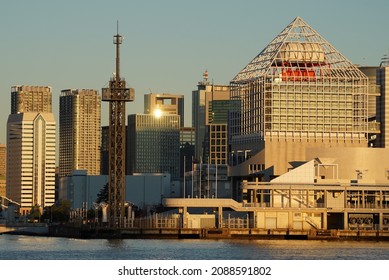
{"x":47,"y":248}
{"x":116,"y":243}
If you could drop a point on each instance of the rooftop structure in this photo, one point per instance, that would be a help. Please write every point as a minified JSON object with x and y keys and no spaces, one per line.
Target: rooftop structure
{"x":164,"y":103}
{"x":31,"y":99}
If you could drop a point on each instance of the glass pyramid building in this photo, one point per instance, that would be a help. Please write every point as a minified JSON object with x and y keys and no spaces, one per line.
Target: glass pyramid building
{"x":299,"y":89}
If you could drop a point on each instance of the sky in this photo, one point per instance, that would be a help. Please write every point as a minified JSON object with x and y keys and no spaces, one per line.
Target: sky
{"x":167,"y":44}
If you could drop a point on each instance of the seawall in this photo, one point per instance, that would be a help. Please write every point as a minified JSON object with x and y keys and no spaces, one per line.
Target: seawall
{"x":212,"y":233}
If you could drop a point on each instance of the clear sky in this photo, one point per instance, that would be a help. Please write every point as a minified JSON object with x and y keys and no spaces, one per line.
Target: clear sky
{"x":168,"y":44}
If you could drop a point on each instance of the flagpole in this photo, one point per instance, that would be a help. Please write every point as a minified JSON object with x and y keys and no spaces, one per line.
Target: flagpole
{"x":192,"y":174}
{"x":201,"y":165}
{"x":184,"y":175}
{"x":216,"y":179}
{"x":208,"y":179}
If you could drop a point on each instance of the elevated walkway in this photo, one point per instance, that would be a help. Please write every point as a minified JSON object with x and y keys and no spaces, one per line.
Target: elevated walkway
{"x":204,"y":203}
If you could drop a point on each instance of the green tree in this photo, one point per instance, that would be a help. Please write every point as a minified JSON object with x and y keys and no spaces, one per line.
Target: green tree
{"x":35,"y":213}
{"x":102,"y":196}
{"x":59,"y":212}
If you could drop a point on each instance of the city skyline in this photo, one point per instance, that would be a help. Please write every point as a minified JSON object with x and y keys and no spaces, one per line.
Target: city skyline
{"x":167,"y":45}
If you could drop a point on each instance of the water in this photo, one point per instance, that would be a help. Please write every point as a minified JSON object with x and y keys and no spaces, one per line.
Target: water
{"x":15,"y":247}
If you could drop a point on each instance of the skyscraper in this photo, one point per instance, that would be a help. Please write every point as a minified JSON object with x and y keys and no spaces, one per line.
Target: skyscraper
{"x":31,"y":132}
{"x":202,"y":114}
{"x":79,"y":131}
{"x":3,"y":168}
{"x":164,"y":103}
{"x":153,"y":144}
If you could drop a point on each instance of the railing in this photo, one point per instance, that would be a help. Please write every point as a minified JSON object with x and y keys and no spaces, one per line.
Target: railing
{"x":156,"y":221}
{"x":175,"y":221}
{"x":236,"y":223}
{"x":312,"y":222}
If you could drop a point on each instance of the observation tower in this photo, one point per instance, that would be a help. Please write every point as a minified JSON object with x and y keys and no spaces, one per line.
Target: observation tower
{"x":117,"y":94}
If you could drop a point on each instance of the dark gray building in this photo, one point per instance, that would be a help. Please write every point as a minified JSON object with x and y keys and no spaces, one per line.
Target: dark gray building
{"x":153,"y":144}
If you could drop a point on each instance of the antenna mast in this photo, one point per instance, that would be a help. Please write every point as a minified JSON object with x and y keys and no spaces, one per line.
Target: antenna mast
{"x":117,"y":95}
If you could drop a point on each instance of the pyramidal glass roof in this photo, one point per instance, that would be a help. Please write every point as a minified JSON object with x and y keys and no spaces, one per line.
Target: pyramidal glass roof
{"x":298,"y":45}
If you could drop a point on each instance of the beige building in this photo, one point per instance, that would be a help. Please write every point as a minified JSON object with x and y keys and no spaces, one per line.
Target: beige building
{"x":31,"y":99}
{"x":31,"y":141}
{"x":31,"y":159}
{"x":79,"y":131}
{"x":335,"y":188}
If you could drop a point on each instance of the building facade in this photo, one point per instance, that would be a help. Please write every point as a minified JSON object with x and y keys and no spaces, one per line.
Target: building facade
{"x":79,"y":131}
{"x":374,"y":97}
{"x":3,"y":168}
{"x":164,"y":103}
{"x":31,"y":140}
{"x":82,"y":189}
{"x":153,"y":144}
{"x":202,"y":113}
{"x":383,"y":105}
{"x":31,"y":99}
{"x":187,"y":149}
{"x":298,"y":93}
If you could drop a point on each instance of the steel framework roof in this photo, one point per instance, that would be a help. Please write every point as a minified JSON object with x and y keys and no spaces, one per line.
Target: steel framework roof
{"x":298,"y":44}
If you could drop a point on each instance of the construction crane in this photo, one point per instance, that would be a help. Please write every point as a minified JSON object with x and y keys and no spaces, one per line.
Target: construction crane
{"x":117,"y":94}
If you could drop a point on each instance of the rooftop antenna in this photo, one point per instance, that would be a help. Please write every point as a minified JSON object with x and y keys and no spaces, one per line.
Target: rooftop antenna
{"x":205,"y":77}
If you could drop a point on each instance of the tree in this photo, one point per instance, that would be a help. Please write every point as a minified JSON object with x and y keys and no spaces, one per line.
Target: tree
{"x":102,"y":196}
{"x":59,"y":212}
{"x":35,"y":213}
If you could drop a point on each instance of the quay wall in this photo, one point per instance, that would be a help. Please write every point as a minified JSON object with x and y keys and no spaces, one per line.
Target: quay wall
{"x":214,"y":233}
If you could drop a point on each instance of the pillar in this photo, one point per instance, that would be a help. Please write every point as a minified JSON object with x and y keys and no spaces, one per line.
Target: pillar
{"x":184,"y":216}
{"x":220,"y":217}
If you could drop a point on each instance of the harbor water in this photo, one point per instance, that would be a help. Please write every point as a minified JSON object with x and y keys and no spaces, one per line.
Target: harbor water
{"x":19,"y":247}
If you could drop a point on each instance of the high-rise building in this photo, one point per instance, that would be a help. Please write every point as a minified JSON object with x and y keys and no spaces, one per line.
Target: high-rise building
{"x":298,"y":93}
{"x":3,"y":169}
{"x":203,"y":115}
{"x":153,"y":144}
{"x":187,"y":148}
{"x":31,"y":99}
{"x":79,"y":131}
{"x":165,"y":103}
{"x":3,"y":153}
{"x":31,"y":137}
